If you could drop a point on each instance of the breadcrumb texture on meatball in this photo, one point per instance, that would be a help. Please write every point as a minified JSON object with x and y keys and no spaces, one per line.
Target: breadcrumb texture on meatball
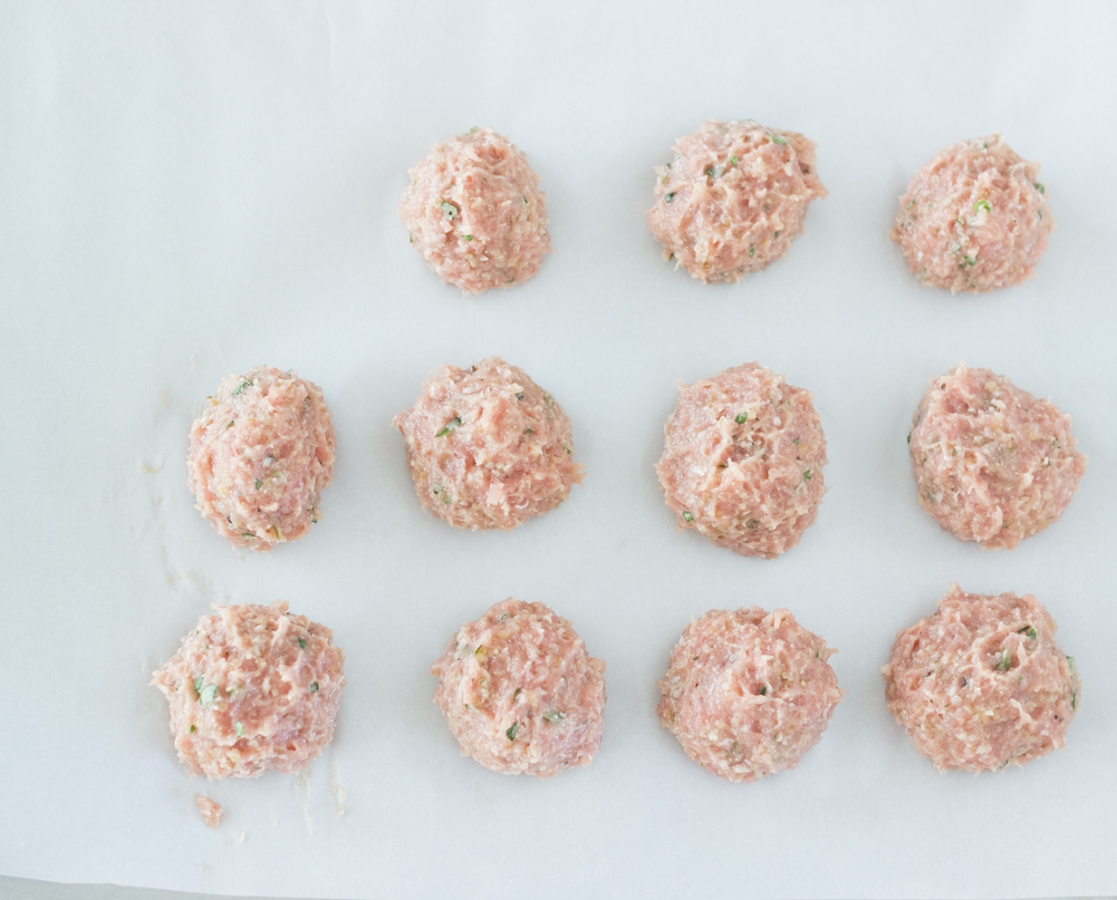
{"x":252,"y":688}
{"x":487,"y":447}
{"x":742,"y":461}
{"x":733,"y":198}
{"x":747,"y":693}
{"x":475,"y":212}
{"x":992,"y":463}
{"x":974,"y":218}
{"x":980,"y":684}
{"x":520,"y":692}
{"x":261,"y":453}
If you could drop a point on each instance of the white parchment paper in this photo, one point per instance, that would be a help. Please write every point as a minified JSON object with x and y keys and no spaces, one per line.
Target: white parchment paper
{"x":187,"y":190}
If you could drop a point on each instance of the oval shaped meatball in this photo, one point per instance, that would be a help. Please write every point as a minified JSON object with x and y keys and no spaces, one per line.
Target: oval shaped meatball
{"x":520,"y":692}
{"x":974,"y":218}
{"x":475,"y":212}
{"x":742,"y":461}
{"x":733,"y":198}
{"x":993,"y":464}
{"x":261,"y":454}
{"x":747,"y":693}
{"x":252,"y":688}
{"x":487,"y":447}
{"x":980,"y":684}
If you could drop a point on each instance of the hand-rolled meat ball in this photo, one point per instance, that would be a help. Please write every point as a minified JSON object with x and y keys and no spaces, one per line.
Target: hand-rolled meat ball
{"x":520,"y":692}
{"x":733,"y":198}
{"x":974,"y":218}
{"x":981,"y":684}
{"x":475,"y":212}
{"x":993,"y":464}
{"x":252,"y":688}
{"x":487,"y":447}
{"x":742,"y":461}
{"x":747,"y":693}
{"x":261,"y":454}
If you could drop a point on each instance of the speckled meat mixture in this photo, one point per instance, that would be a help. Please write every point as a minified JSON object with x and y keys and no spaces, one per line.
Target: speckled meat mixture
{"x":733,"y":198}
{"x":475,"y":212}
{"x":212,"y":811}
{"x":992,"y":463}
{"x":487,"y":447}
{"x":742,"y":461}
{"x":980,"y":684}
{"x":974,"y":218}
{"x":520,"y":692}
{"x":252,"y":688}
{"x":261,"y":454}
{"x":747,"y":693}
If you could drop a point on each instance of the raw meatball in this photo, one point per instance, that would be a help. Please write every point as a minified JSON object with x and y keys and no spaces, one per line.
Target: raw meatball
{"x":488,"y":447}
{"x":475,"y":212}
{"x":974,"y":218}
{"x":747,"y":693}
{"x":252,"y":688}
{"x":742,"y":461}
{"x":980,"y":684}
{"x":520,"y":692}
{"x":993,"y":464}
{"x":260,"y":455}
{"x":733,"y":198}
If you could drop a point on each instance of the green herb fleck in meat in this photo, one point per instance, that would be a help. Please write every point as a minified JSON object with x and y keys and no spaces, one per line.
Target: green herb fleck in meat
{"x":776,"y":139}
{"x":259,"y":484}
{"x":450,"y":426}
{"x":238,"y":727}
{"x":529,"y":430}
{"x":1005,"y":662}
{"x":807,"y":474}
{"x":447,"y":207}
{"x":302,"y":643}
{"x":198,"y":685}
{"x":314,"y":687}
{"x":553,"y":716}
{"x":764,"y":691}
{"x":193,"y":728}
{"x":240,"y":387}
{"x":1029,"y":631}
{"x":742,"y":418}
{"x":469,"y":237}
{"x":511,"y":732}
{"x":667,"y":198}
{"x":208,"y":694}
{"x":1039,"y":187}
{"x":982,"y":205}
{"x":733,"y":160}
{"x":688,"y":517}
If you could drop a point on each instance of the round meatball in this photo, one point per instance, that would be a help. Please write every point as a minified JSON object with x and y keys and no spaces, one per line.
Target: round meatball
{"x":487,"y":447}
{"x":742,"y":461}
{"x":252,"y":688}
{"x":974,"y":218}
{"x":475,"y":212}
{"x":747,"y":693}
{"x":981,"y":684}
{"x":993,"y":464}
{"x":260,"y":455}
{"x":520,"y":692}
{"x":733,"y":198}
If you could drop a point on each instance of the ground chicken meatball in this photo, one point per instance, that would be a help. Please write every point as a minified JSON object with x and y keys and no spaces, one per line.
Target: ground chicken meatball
{"x":747,"y":693}
{"x":993,"y":464}
{"x":733,"y":198}
{"x":974,"y":218}
{"x":981,"y":684}
{"x":487,"y":447}
{"x":261,"y":454}
{"x":520,"y":692}
{"x":252,"y":688}
{"x":742,"y":461}
{"x":475,"y":212}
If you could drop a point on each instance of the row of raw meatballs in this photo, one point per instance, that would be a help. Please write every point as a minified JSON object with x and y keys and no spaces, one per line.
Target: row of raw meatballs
{"x":731,"y":200}
{"x":978,"y":685}
{"x":742,"y":462}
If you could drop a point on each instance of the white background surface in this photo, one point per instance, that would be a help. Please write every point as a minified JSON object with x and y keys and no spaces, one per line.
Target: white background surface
{"x":190,"y":190}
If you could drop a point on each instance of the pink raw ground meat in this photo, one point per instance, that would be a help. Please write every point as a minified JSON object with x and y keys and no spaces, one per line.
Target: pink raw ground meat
{"x":212,"y":811}
{"x":520,"y":692}
{"x":733,"y":198}
{"x":252,"y":688}
{"x":980,"y":684}
{"x":742,"y":461}
{"x":993,"y":464}
{"x":475,"y":212}
{"x":487,"y":447}
{"x":747,"y":693}
{"x":974,"y":218}
{"x":261,"y":454}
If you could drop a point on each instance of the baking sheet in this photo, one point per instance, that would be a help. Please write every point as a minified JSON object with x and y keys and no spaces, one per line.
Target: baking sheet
{"x":187,"y":190}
